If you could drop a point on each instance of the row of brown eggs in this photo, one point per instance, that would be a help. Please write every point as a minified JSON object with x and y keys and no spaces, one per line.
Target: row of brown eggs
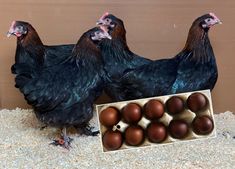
{"x":156,"y":132}
{"x":153,"y":110}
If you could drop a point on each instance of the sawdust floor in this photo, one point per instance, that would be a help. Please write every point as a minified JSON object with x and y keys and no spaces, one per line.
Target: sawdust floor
{"x":24,"y":145}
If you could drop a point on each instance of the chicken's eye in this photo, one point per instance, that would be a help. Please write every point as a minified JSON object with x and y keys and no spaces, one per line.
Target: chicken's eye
{"x":108,"y":20}
{"x":20,"y":28}
{"x":209,"y":19}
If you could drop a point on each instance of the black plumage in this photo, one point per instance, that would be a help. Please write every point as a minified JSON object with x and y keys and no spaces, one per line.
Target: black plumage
{"x":117,"y":56}
{"x":194,"y":68}
{"x":61,"y":90}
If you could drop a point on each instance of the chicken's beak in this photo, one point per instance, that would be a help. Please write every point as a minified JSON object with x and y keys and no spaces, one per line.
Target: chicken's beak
{"x":9,"y":34}
{"x":100,"y":22}
{"x":219,"y":22}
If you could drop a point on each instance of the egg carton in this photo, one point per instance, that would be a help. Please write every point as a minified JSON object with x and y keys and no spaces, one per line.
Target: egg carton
{"x":187,"y":115}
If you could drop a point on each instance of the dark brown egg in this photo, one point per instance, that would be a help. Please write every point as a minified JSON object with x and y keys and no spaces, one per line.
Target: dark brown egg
{"x":154,"y":109}
{"x":178,"y":129}
{"x":175,"y":105}
{"x":196,"y":102}
{"x":132,"y":113}
{"x":156,"y":132}
{"x":112,"y":140}
{"x":109,"y":117}
{"x":134,"y":135}
{"x":202,"y":125}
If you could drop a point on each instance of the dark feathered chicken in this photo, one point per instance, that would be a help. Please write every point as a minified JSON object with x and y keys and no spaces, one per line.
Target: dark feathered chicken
{"x":117,"y":56}
{"x":62,"y":94}
{"x":194,"y":68}
{"x":29,"y":43}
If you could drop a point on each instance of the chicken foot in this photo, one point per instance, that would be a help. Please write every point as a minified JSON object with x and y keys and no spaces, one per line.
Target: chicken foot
{"x":64,"y":141}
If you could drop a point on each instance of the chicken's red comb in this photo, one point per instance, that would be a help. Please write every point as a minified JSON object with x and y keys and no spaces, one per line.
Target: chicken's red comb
{"x":104,"y":15}
{"x":213,"y":15}
{"x":12,"y":26}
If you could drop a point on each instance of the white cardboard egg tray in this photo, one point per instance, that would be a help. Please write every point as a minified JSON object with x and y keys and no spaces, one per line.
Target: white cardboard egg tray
{"x":186,"y":115}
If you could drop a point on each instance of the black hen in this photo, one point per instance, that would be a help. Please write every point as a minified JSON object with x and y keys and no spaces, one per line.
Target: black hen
{"x":62,"y":94}
{"x":30,"y":44}
{"x":117,"y":56}
{"x":194,"y":68}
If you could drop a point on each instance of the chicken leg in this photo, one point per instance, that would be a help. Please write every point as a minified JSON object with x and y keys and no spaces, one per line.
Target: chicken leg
{"x":64,"y":141}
